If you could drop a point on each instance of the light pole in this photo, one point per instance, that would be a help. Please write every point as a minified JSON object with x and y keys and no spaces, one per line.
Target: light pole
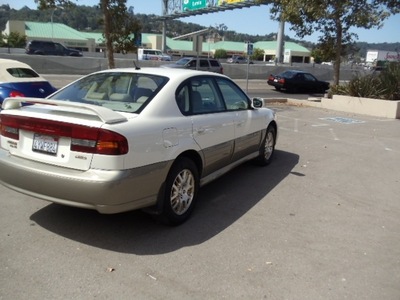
{"x":52,"y":26}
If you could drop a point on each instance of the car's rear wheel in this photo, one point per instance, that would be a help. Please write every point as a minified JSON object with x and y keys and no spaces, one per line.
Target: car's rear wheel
{"x":267,"y":148}
{"x":180,"y":191}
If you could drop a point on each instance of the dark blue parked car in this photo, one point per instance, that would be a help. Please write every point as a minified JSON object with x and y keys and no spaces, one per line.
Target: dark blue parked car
{"x":18,"y":79}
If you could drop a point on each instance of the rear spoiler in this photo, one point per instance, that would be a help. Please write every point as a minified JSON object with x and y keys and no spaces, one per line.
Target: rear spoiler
{"x":106,"y":115}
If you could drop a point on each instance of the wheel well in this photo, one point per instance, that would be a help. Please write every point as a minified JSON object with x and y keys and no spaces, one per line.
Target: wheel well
{"x":190,"y":154}
{"x":274,"y":125}
{"x":195,"y":157}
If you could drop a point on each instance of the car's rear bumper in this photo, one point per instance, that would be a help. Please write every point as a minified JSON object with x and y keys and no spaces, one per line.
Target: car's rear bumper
{"x":107,"y":191}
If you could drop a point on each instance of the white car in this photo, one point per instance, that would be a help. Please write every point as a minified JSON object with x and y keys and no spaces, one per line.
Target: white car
{"x":125,"y":139}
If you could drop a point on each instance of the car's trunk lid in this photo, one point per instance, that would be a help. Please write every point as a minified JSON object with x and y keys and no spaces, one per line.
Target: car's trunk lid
{"x":54,"y":132}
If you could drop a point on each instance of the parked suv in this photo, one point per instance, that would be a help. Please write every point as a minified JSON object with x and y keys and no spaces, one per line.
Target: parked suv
{"x":50,"y":48}
{"x":194,"y":63}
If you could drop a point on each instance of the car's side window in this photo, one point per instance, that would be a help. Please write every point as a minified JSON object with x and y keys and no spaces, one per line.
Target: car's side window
{"x":214,"y":63}
{"x":309,"y":77}
{"x":49,"y":46}
{"x":59,"y":48}
{"x":192,"y":64}
{"x":182,"y":99}
{"x":234,"y":98}
{"x":204,"y":63}
{"x":198,"y":96}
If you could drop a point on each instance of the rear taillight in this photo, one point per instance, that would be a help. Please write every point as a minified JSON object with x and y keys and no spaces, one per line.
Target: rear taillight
{"x":83,"y":138}
{"x":16,"y":94}
{"x":281,"y":80}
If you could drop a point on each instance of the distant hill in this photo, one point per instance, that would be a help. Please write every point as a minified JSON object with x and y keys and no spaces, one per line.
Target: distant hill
{"x":86,"y":18}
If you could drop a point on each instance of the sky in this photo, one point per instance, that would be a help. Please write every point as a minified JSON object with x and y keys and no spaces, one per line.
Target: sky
{"x":253,"y":20}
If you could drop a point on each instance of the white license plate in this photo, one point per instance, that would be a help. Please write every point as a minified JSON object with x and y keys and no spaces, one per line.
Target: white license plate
{"x":275,"y":80}
{"x":45,"y":144}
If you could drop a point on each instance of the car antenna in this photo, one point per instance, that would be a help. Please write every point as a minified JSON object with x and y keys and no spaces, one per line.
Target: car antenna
{"x":136,"y":66}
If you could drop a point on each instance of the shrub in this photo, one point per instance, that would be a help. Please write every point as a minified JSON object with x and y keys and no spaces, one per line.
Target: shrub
{"x":385,"y":85}
{"x":220,"y":53}
{"x":258,"y":54}
{"x":390,"y":81}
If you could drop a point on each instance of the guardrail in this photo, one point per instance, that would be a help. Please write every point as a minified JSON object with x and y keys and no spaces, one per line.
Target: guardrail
{"x":88,"y":64}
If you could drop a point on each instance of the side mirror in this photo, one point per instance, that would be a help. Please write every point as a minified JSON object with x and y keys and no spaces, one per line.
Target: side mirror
{"x":257,"y":102}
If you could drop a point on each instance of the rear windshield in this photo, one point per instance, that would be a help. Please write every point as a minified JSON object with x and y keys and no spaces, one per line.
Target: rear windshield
{"x":22,"y":73}
{"x":119,"y":91}
{"x":214,"y":63}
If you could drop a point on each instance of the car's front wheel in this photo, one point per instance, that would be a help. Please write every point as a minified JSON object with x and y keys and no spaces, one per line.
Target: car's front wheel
{"x":267,"y":147}
{"x":180,"y":191}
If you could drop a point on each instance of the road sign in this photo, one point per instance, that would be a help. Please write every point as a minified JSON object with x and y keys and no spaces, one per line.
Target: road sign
{"x":193,"y":4}
{"x":249,"y":48}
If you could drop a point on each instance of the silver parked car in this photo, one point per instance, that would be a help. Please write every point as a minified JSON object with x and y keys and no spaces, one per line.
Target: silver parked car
{"x":124,"y":139}
{"x":196,"y":63}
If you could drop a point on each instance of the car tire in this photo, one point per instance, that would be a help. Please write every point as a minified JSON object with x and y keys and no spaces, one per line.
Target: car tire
{"x":181,"y":189}
{"x":277,"y":88}
{"x":267,"y":147}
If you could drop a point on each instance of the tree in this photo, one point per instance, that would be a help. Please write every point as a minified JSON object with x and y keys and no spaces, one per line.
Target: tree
{"x":334,"y":19}
{"x":121,"y":30}
{"x":221,"y":28}
{"x":118,"y":32}
{"x":14,"y":40}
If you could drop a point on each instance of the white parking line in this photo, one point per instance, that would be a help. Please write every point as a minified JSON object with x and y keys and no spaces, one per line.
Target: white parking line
{"x":319,"y":125}
{"x":333,"y":134}
{"x":382,"y":144}
{"x":296,"y":125}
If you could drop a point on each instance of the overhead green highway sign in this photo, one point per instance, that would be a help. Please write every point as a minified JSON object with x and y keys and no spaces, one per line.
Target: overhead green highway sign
{"x":193,"y":4}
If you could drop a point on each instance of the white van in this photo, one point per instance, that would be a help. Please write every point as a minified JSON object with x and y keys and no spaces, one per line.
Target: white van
{"x":152,"y":54}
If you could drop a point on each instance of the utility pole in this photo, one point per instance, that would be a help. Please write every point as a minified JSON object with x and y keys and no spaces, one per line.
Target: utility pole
{"x":164,"y":25}
{"x":280,"y":42}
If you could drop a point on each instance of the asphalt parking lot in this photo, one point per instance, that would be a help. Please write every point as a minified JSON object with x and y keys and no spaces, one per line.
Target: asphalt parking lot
{"x":321,"y":222}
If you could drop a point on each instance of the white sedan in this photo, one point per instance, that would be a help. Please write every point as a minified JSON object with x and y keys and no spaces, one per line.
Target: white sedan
{"x":125,"y":139}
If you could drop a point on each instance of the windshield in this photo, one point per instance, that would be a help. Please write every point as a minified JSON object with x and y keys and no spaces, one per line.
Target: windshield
{"x":183,"y":61}
{"x":119,"y":91}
